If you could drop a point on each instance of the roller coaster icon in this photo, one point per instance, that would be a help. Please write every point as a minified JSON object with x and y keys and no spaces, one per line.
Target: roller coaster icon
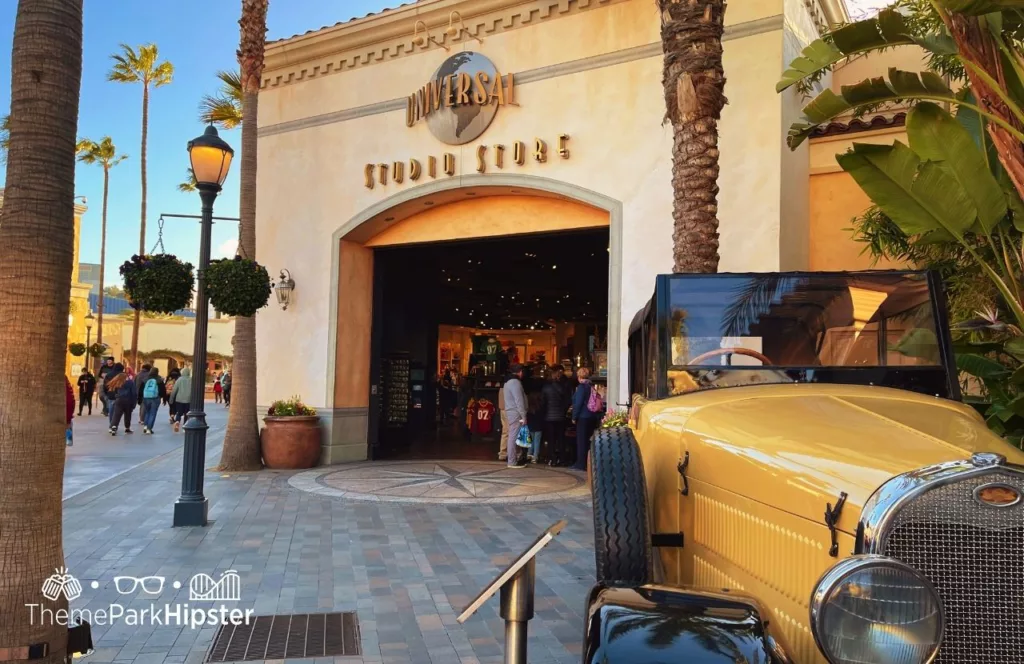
{"x":203,"y":588}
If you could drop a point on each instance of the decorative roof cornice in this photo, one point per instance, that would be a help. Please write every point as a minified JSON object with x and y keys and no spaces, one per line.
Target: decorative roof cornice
{"x":858,"y":125}
{"x":389,"y":35}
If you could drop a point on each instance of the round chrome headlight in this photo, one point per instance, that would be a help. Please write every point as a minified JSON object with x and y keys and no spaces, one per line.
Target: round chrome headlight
{"x":876,"y":610}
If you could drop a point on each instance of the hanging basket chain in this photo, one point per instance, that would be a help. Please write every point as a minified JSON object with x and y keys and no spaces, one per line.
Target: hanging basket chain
{"x":159,"y":237}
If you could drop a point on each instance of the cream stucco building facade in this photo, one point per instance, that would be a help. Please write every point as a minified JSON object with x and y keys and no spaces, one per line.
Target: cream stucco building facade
{"x":342,"y":172}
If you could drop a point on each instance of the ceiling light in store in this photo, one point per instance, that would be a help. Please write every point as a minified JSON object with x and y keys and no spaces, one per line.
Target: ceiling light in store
{"x":554,"y":267}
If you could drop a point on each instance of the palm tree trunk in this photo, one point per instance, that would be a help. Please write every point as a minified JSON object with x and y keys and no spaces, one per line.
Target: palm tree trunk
{"x":46,"y":73}
{"x":241,"y":449}
{"x":694,"y":80}
{"x":103,"y":263}
{"x":142,"y":222}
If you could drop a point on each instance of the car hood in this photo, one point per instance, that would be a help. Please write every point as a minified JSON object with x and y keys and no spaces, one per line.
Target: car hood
{"x":796,"y":447}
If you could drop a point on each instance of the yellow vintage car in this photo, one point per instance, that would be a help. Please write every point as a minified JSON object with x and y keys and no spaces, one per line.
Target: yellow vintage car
{"x":800,"y":482}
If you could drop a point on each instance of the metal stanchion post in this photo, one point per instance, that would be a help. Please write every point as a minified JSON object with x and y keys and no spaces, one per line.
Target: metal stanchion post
{"x":516,"y":610}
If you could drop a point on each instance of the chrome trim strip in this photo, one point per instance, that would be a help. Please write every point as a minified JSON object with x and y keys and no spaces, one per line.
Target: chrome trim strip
{"x":847,"y":567}
{"x":886,"y":501}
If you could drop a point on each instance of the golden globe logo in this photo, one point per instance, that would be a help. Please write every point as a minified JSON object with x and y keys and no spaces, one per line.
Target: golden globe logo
{"x":461,"y":99}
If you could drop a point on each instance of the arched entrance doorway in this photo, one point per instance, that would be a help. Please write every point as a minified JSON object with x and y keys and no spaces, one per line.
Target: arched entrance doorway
{"x":402,"y":256}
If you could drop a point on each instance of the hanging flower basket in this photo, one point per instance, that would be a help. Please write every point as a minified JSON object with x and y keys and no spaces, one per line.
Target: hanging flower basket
{"x":76,"y":349}
{"x":158,"y":283}
{"x":237,"y":286}
{"x":98,"y":350}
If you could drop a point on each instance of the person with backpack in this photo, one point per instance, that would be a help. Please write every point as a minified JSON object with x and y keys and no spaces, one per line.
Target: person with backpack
{"x":587,"y":405}
{"x":123,"y":397}
{"x":153,"y":392}
{"x":173,"y":376}
{"x":179,"y":398}
{"x":140,"y":382}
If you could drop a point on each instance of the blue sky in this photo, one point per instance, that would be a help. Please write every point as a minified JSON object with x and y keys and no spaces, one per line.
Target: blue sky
{"x":199,"y":38}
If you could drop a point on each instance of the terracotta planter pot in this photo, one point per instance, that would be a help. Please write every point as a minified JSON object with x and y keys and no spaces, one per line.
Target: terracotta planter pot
{"x":291,"y":442}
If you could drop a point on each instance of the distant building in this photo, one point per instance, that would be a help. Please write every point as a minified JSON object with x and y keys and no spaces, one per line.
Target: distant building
{"x":89,"y":273}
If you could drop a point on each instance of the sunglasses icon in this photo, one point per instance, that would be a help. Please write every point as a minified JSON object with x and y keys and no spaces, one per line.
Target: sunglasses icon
{"x":126,"y":585}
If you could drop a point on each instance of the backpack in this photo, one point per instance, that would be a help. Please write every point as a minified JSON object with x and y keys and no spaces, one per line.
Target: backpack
{"x":152,"y":389}
{"x":595,"y":404}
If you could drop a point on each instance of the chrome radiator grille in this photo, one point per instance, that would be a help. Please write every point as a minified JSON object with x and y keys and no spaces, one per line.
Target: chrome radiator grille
{"x":974,"y":555}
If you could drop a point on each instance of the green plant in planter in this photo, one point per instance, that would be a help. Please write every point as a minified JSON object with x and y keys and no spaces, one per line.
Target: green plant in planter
{"x":290,"y":408}
{"x":237,"y":286}
{"x":98,"y":350}
{"x":158,"y":282}
{"x":615,"y":418}
{"x":76,"y":349}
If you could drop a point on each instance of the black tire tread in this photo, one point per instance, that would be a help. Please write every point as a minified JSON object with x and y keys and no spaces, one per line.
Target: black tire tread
{"x":622,"y":540}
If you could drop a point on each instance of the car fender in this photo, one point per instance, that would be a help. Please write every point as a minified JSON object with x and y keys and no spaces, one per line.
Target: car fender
{"x":653,"y":624}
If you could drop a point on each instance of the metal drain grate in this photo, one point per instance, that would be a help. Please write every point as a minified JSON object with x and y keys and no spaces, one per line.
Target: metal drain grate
{"x":288,"y":636}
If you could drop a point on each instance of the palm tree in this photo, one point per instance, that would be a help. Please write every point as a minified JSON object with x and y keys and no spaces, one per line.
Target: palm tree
{"x":693,"y":78}
{"x":189,"y":185}
{"x":46,"y":75}
{"x":5,"y":136}
{"x":105,"y":154}
{"x":241,"y":449}
{"x":225,"y":108}
{"x":141,"y":67}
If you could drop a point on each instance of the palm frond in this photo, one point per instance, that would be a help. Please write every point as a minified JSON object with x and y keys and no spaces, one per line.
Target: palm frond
{"x":103,"y":153}
{"x":140,"y":67}
{"x":189,"y":185}
{"x":223,"y":109}
{"x":753,"y":300}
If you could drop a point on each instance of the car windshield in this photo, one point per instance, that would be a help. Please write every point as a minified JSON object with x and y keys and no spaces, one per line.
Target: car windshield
{"x":743,"y":329}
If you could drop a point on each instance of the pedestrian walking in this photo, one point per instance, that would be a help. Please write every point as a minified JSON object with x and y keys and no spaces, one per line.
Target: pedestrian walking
{"x":225,"y":381}
{"x":69,"y":412}
{"x":515,"y":413}
{"x":218,"y":389}
{"x":586,"y":413}
{"x":503,"y":445}
{"x":86,"y":390}
{"x":179,"y":398}
{"x":140,"y":382}
{"x":172,"y":376}
{"x":123,"y":397}
{"x":535,"y":422}
{"x":106,"y":368}
{"x":153,"y":392}
{"x":555,"y":399}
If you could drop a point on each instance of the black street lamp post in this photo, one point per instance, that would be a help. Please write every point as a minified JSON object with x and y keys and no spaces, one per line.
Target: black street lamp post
{"x":89,"y":318}
{"x":211,"y":159}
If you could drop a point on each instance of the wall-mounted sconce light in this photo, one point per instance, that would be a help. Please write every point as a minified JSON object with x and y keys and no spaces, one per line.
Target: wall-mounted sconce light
{"x":455,"y":31}
{"x":422,"y":38}
{"x":284,"y":287}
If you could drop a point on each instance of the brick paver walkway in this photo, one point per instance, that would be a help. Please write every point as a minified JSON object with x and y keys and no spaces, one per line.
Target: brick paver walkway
{"x":406,"y":569}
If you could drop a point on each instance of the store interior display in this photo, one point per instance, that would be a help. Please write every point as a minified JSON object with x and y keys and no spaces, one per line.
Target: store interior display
{"x":450,"y":318}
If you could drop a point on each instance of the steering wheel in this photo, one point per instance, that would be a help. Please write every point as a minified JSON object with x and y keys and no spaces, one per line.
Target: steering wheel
{"x":734,"y":350}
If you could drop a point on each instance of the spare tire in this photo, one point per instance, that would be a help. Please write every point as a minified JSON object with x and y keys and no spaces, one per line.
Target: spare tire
{"x":622,"y":539}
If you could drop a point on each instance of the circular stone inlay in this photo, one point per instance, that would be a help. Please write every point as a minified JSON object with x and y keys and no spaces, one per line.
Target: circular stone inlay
{"x":461,"y":482}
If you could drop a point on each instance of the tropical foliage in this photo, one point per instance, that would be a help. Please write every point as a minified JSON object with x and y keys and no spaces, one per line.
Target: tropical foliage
{"x":951,"y":197}
{"x":160,"y":283}
{"x":37,"y":249}
{"x":694,"y":81}
{"x":223,"y":109}
{"x":141,"y":66}
{"x":237,"y":286}
{"x":105,"y":154}
{"x":189,"y":185}
{"x":241,"y":450}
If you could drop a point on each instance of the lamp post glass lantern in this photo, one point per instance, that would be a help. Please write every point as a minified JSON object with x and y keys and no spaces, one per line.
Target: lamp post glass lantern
{"x":211,"y":158}
{"x":284,"y":288}
{"x":89,"y":318}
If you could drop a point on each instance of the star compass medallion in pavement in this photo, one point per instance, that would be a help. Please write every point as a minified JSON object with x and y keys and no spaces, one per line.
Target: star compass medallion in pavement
{"x":459,"y":482}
